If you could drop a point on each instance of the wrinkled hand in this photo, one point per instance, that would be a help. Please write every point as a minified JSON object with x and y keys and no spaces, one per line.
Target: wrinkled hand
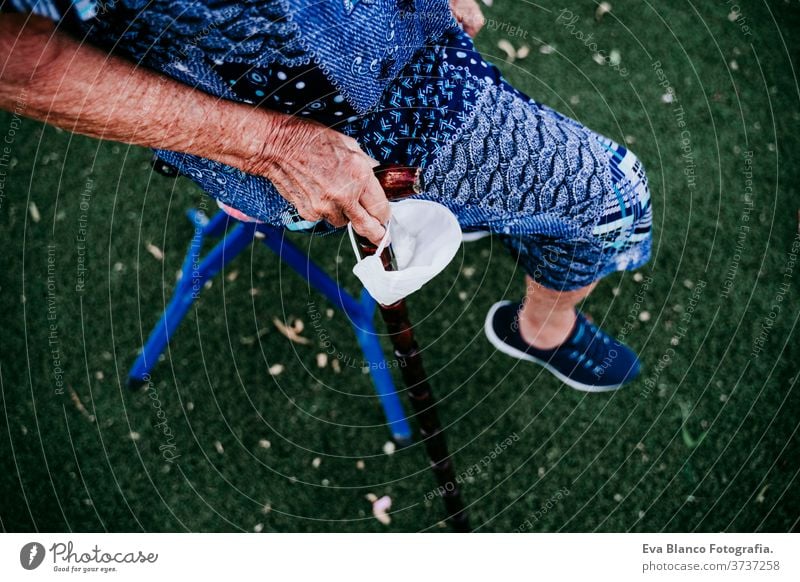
{"x":469,"y":14}
{"x":325,"y":175}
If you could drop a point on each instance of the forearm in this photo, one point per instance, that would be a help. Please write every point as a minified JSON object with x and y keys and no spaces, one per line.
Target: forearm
{"x":81,"y":89}
{"x":322,"y":172}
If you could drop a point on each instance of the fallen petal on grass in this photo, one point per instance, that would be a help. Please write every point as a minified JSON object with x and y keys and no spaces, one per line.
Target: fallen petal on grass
{"x":380,"y":507}
{"x":602,"y":9}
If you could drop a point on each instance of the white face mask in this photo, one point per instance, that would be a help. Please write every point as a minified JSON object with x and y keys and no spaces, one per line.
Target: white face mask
{"x":425,"y":236}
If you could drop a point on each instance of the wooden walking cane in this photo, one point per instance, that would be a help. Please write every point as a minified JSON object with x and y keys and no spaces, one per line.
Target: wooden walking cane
{"x":400,"y":182}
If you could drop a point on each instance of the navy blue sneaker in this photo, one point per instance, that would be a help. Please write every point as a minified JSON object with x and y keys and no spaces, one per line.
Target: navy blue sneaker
{"x":589,"y":359}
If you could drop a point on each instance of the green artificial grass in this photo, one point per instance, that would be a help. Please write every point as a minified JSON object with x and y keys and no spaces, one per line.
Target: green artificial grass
{"x":705,"y":441}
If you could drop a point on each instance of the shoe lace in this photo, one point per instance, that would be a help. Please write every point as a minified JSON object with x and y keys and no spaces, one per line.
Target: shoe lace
{"x":596,"y":344}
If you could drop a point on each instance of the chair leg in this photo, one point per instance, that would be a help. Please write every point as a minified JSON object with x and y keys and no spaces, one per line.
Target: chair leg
{"x":188,"y":289}
{"x":299,"y":262}
{"x":361,"y":315}
{"x":367,"y":337}
{"x":159,"y":338}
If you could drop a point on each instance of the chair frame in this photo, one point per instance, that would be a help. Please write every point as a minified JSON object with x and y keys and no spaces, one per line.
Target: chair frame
{"x":236,"y":237}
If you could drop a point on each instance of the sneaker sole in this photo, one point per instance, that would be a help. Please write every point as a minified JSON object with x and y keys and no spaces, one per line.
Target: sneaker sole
{"x":488,"y":329}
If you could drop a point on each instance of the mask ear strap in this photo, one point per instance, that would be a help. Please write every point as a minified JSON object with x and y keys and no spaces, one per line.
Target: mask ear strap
{"x":381,"y":246}
{"x":384,"y":240}
{"x":353,"y":240}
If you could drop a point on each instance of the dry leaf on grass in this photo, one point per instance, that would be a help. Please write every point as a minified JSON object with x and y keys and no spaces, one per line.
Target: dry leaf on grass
{"x":250,"y":340}
{"x":508,"y":48}
{"x":34,"y":210}
{"x":155,"y":251}
{"x":76,"y":400}
{"x":290,"y":332}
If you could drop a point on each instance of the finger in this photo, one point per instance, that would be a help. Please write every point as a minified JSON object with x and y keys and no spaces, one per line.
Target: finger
{"x":335,"y":216}
{"x":305,"y":210}
{"x":471,"y":18}
{"x":372,"y":163}
{"x":336,"y":200}
{"x":307,"y":214}
{"x":473,"y":23}
{"x":477,"y":24}
{"x":373,"y":200}
{"x":365,"y":224}
{"x":355,"y":147}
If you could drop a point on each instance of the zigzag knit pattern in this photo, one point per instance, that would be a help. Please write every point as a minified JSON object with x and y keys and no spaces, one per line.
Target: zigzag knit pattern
{"x":534,"y":177}
{"x":517,"y":158}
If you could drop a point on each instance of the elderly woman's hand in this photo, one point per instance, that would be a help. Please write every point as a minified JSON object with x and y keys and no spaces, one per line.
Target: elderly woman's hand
{"x":324,"y":174}
{"x":469,"y":14}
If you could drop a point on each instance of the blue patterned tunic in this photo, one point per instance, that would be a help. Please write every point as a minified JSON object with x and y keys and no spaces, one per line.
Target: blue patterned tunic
{"x":401,"y":78}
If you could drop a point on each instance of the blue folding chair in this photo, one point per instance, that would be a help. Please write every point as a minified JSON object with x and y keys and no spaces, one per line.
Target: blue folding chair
{"x":236,"y":236}
{"x":397,"y":182}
